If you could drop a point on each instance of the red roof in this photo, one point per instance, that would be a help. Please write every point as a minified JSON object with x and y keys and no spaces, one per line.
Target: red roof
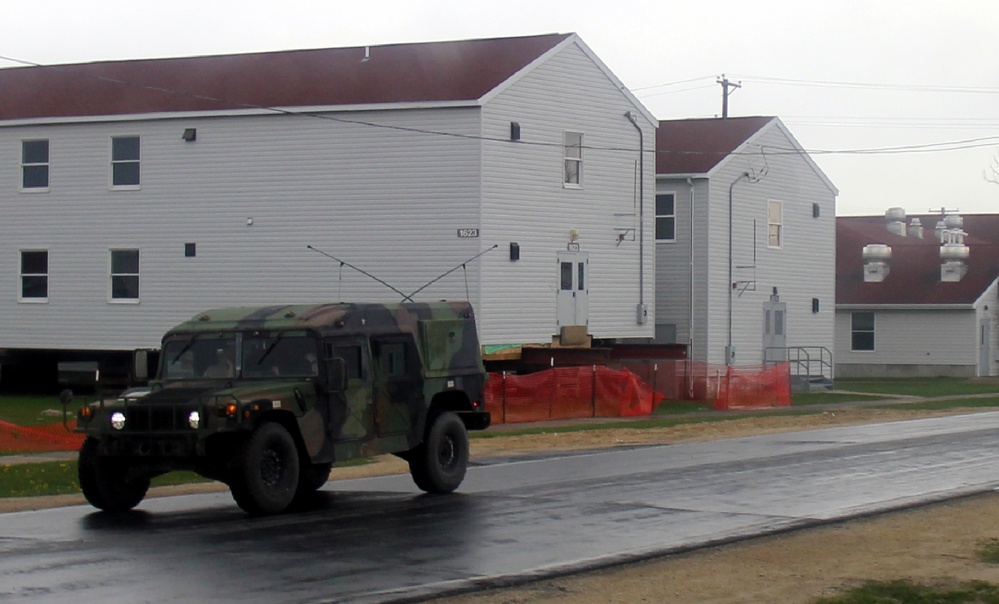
{"x":397,"y":73}
{"x":914,"y":268}
{"x":697,"y":146}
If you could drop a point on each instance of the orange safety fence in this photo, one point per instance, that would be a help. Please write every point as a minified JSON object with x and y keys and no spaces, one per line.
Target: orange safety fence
{"x":567,"y":393}
{"x":49,"y":437}
{"x":754,"y":387}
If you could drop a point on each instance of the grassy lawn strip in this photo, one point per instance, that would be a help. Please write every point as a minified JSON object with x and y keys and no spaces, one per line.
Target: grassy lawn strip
{"x":29,"y":411}
{"x":904,"y":592}
{"x":59,"y":478}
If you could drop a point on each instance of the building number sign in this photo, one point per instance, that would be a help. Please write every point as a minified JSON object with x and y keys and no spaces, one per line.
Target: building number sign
{"x":468,"y":233}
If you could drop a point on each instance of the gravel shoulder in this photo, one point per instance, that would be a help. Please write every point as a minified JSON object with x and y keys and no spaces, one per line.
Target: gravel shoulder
{"x":932,"y":544}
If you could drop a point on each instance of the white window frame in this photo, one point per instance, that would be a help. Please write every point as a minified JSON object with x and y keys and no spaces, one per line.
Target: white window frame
{"x":46,"y":164}
{"x":873,"y":331}
{"x":111,"y":277}
{"x":775,"y":224}
{"x":113,"y":162}
{"x":572,"y":153}
{"x":21,"y":275}
{"x":658,"y":216}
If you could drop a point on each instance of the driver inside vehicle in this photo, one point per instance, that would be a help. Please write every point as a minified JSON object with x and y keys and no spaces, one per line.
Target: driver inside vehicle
{"x":223,"y":367}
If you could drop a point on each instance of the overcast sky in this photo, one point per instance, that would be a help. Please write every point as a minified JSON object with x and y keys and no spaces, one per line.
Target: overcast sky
{"x":917,"y":77}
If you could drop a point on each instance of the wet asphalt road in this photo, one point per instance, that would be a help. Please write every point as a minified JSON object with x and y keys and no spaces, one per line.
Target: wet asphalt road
{"x":377,"y":540}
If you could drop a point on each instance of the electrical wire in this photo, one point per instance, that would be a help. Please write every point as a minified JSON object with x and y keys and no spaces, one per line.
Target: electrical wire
{"x":925,"y":148}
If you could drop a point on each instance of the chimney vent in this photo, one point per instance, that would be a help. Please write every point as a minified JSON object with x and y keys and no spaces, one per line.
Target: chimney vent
{"x":953,"y":256}
{"x":896,"y":220}
{"x":876,"y":257}
{"x":916,"y":228}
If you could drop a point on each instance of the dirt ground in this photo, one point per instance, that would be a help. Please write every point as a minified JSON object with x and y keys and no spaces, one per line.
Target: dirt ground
{"x":931,"y":544}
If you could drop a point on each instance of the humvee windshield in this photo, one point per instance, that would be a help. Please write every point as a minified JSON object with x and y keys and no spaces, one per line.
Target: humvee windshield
{"x":247,"y":355}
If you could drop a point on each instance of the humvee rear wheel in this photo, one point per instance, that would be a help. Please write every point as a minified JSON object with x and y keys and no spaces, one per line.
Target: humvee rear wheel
{"x":265,"y":471}
{"x":438,"y":465}
{"x":104,"y":480}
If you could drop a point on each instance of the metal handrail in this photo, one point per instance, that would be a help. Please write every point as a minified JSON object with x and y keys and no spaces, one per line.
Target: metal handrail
{"x":808,"y":358}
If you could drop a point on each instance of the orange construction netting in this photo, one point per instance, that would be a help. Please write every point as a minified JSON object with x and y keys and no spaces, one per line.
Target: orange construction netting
{"x":754,"y":387}
{"x":49,"y":437}
{"x":566,"y":393}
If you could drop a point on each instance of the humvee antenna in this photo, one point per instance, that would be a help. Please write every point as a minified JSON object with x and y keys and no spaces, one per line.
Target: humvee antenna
{"x":442,"y":275}
{"x":366,"y":273}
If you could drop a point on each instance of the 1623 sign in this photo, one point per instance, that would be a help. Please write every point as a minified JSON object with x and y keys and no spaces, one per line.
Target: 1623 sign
{"x":468,"y":233}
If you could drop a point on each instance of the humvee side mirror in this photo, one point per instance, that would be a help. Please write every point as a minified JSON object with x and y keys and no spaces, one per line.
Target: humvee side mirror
{"x":336,"y":374}
{"x":140,"y":365}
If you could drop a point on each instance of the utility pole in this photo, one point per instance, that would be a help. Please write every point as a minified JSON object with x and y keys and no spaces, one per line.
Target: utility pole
{"x":726,"y":84}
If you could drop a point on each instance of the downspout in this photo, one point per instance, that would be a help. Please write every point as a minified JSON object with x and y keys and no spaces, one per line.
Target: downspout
{"x":731,"y":285}
{"x":690,"y":291}
{"x":641,"y":217}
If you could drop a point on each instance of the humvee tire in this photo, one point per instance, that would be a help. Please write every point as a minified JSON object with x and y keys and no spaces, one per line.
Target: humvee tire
{"x":438,"y":465}
{"x":103,"y":482}
{"x":311,"y":478}
{"x":265,"y":471}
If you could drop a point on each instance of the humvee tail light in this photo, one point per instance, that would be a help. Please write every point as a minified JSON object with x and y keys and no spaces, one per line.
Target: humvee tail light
{"x":118,"y":420}
{"x":86,"y":413}
{"x":194,"y":419}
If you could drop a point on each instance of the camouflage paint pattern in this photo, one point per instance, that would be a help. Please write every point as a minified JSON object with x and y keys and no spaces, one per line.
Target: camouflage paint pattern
{"x":404,"y":362}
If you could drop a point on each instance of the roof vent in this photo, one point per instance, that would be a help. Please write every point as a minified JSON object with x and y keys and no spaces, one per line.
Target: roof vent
{"x":939,"y":230}
{"x":916,"y":228}
{"x":876,"y":257}
{"x":896,"y":220}
{"x":953,"y":256}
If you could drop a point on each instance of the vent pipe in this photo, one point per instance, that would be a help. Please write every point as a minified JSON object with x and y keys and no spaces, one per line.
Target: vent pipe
{"x":896,"y":220}
{"x":916,"y":228}
{"x":876,"y":258}
{"x":953,"y":256}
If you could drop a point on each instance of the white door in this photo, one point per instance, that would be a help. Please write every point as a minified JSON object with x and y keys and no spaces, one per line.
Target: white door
{"x":572,"y":306}
{"x":774,"y":330}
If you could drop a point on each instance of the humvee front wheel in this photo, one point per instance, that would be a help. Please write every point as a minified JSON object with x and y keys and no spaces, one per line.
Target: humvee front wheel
{"x":265,"y":471}
{"x":105,"y":483}
{"x":438,"y":465}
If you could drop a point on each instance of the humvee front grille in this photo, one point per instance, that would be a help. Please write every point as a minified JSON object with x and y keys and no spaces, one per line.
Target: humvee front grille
{"x":157,"y":418}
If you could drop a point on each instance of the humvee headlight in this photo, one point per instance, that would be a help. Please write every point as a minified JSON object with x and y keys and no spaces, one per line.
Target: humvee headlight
{"x":118,"y":420}
{"x":230,"y":410}
{"x":194,"y":419}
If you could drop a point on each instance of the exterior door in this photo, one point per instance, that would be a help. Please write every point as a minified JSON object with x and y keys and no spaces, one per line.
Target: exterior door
{"x":984,"y":344}
{"x":774,"y":330}
{"x":350,"y":415}
{"x":572,"y":305}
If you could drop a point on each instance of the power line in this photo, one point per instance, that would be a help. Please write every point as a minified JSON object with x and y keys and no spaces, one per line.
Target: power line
{"x":929,"y":147}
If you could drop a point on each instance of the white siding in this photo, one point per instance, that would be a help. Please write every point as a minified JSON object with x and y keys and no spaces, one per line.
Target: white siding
{"x":387,"y":200}
{"x":913,"y":337}
{"x":987,"y":308}
{"x":803,"y":269}
{"x":524,"y":201}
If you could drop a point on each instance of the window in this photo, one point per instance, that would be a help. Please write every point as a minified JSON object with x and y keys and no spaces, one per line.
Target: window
{"x":666,"y":217}
{"x":125,"y":275}
{"x":862,"y":332}
{"x":775,"y":226}
{"x":35,"y":165}
{"x":573,"y":159}
{"x":125,"y":161}
{"x":34,"y":276}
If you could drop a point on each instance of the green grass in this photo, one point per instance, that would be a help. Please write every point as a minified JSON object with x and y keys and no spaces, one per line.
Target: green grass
{"x":929,"y":387}
{"x":988,"y":551}
{"x":803,"y":399}
{"x":59,"y":478}
{"x":31,"y":410}
{"x":905,"y":592}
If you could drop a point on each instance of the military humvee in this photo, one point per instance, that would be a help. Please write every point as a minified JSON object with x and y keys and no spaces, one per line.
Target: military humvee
{"x":267,"y":399}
